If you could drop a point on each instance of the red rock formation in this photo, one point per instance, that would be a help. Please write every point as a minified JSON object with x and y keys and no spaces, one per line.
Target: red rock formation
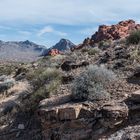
{"x":113,"y":32}
{"x":54,"y":52}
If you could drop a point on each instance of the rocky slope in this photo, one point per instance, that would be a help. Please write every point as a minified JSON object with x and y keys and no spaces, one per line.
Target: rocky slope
{"x":20,"y":51}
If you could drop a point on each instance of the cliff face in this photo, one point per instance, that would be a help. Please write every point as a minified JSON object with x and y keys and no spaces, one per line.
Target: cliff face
{"x":113,"y":32}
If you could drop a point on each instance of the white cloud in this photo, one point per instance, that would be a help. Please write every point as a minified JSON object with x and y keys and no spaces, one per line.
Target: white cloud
{"x":5,"y":27}
{"x":26,"y":33}
{"x":49,"y":29}
{"x":68,"y":11}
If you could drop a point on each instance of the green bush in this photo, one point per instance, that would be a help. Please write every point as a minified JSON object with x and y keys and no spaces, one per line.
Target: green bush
{"x":43,"y":76}
{"x":91,"y":84}
{"x":90,"y":51}
{"x":45,"y":83}
{"x":134,"y":38}
{"x":93,"y":51}
{"x":135,"y":54}
{"x":104,"y":44}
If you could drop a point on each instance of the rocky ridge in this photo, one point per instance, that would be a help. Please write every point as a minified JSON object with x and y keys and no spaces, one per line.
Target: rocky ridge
{"x":113,"y":32}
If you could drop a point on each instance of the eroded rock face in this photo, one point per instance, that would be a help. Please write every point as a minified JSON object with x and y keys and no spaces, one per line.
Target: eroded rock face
{"x":113,"y":32}
{"x":80,"y":120}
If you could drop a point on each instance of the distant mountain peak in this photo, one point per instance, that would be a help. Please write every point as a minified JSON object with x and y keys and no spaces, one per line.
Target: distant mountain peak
{"x":27,"y":42}
{"x":62,"y":46}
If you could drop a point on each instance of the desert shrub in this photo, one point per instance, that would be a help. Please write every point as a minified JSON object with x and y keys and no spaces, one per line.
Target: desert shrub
{"x":135,"y":54}
{"x":40,"y":94}
{"x":91,"y":84}
{"x":93,"y":51}
{"x":134,"y":38}
{"x":43,"y":76}
{"x":52,"y":61}
{"x":90,"y":51}
{"x":45,"y":83}
{"x":104,"y":44}
{"x":85,"y":49}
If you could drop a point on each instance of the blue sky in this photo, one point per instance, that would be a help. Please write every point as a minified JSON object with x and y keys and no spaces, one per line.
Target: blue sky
{"x":47,"y":21}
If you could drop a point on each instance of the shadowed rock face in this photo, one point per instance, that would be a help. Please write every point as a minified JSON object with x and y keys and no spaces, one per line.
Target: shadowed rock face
{"x":20,"y":51}
{"x":113,"y":32}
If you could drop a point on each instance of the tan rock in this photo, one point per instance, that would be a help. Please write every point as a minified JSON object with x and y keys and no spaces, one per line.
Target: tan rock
{"x":70,"y":112}
{"x":54,"y":101}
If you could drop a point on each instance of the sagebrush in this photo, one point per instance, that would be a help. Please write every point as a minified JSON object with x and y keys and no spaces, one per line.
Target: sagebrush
{"x":91,"y":84}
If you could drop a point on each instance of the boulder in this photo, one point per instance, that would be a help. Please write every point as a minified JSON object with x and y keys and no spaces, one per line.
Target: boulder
{"x":114,"y":114}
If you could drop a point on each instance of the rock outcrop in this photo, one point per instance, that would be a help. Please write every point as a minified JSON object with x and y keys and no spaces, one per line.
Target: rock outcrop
{"x":54,"y":52}
{"x":80,"y":120}
{"x":113,"y":32}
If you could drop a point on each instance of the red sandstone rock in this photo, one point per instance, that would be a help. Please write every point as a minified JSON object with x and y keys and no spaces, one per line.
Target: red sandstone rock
{"x":113,"y":32}
{"x":54,"y":52}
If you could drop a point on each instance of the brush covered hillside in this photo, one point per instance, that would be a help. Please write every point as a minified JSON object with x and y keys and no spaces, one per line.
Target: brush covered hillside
{"x":91,"y":93}
{"x":22,"y":51}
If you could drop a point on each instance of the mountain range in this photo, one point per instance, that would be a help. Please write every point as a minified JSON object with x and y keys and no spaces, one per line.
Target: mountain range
{"x":20,"y":51}
{"x":27,"y":51}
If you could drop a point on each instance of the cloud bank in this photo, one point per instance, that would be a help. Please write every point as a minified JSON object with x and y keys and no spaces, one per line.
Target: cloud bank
{"x":68,"y":11}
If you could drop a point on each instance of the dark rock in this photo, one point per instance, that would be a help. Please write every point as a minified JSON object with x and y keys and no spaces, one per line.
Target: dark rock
{"x":66,"y":79}
{"x":6,"y":85}
{"x":69,"y":65}
{"x":104,"y":58}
